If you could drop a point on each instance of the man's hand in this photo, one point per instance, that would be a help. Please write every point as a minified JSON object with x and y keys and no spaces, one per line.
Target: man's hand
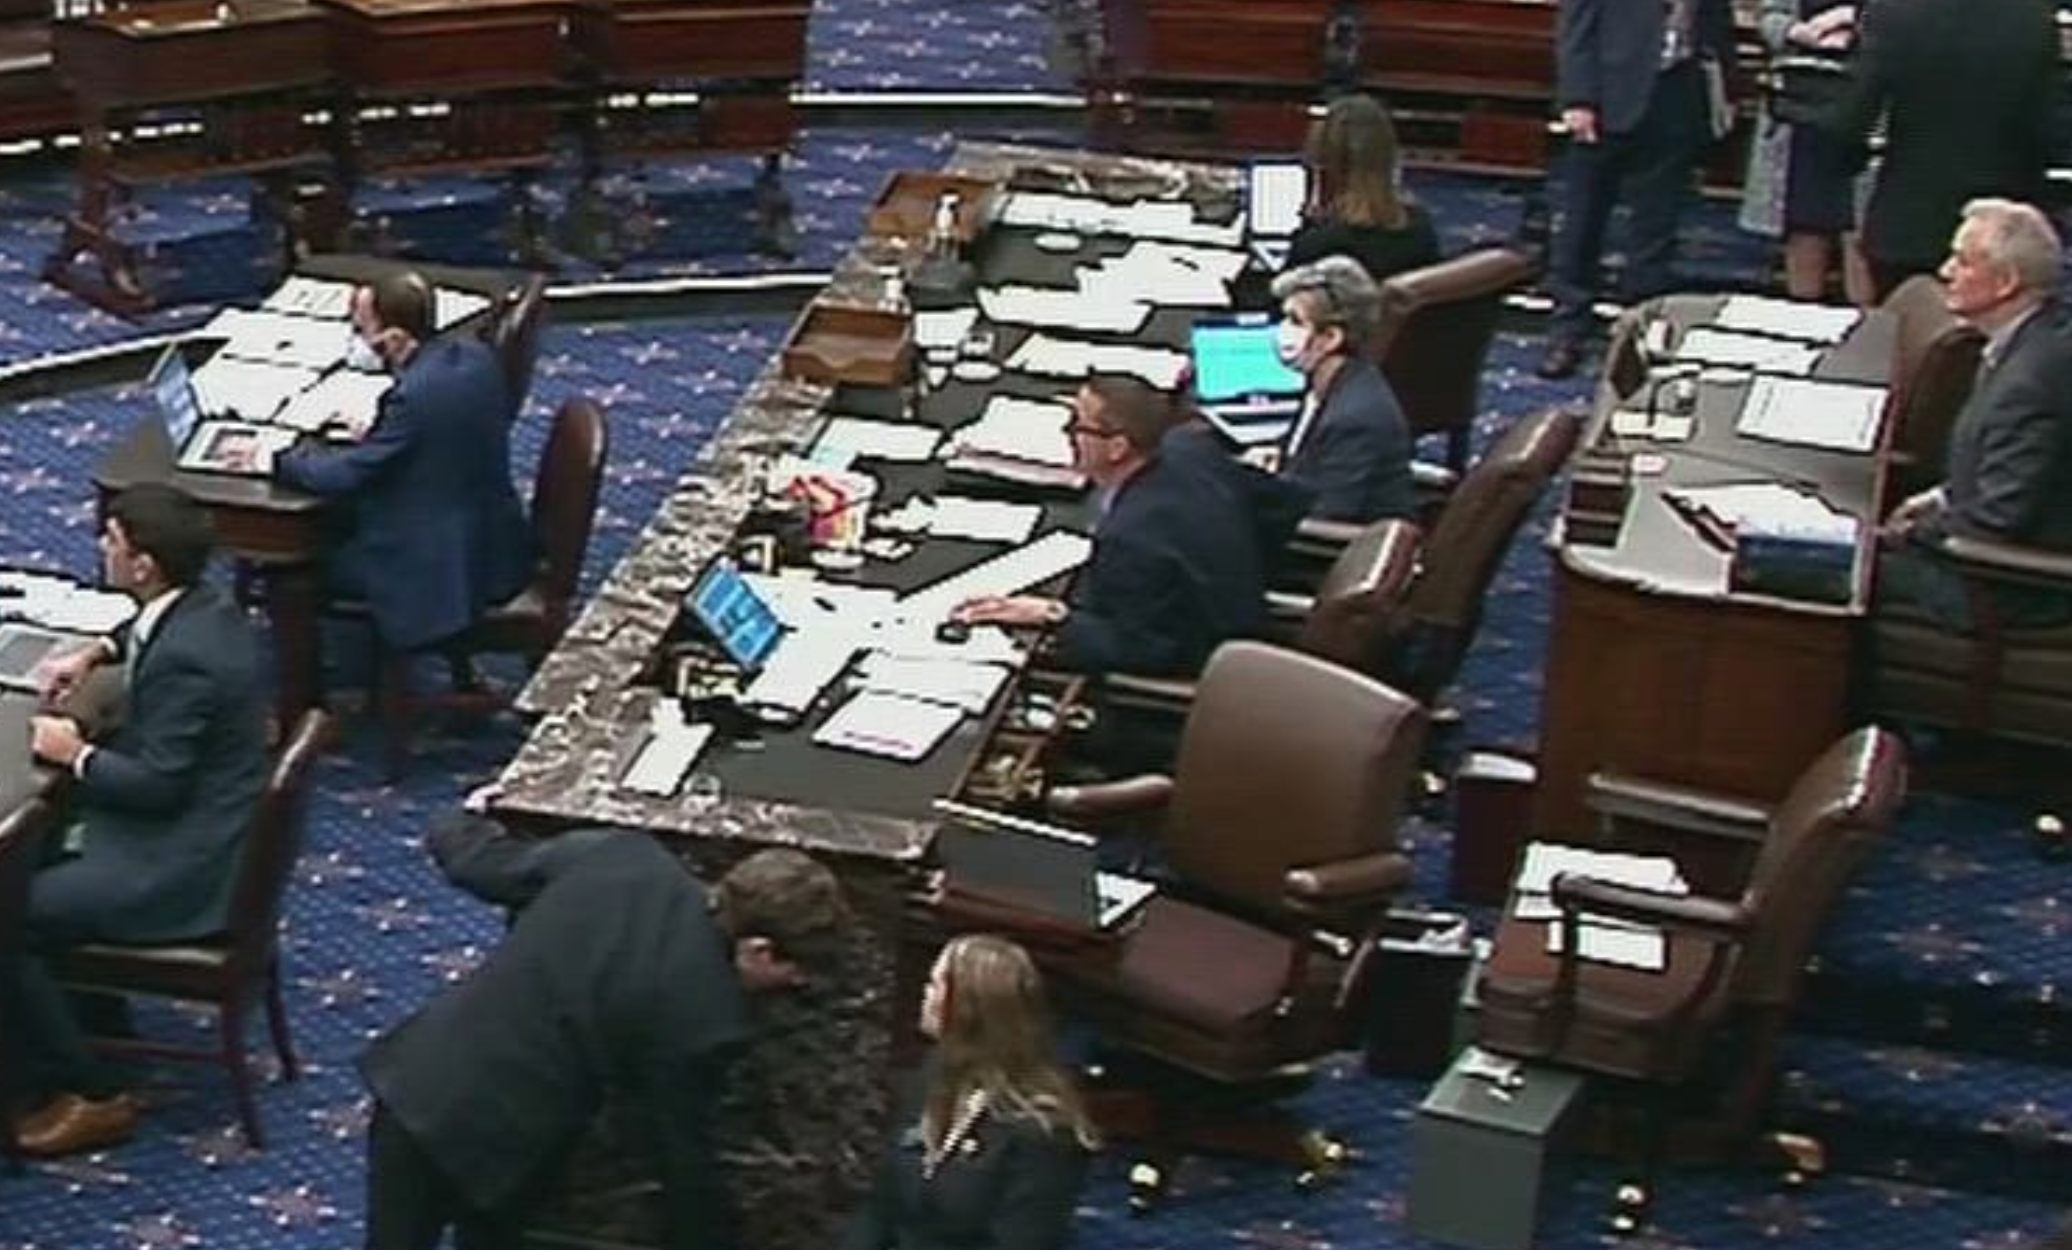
{"x":479,"y":798}
{"x":1830,"y":28}
{"x":1009,"y":610}
{"x":241,"y":457}
{"x":1580,"y":120}
{"x":59,"y":675}
{"x":55,"y":739}
{"x":1907,"y":515}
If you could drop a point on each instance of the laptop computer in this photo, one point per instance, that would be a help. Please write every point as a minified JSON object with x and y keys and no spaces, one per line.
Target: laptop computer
{"x":730,"y":611}
{"x":172,"y":389}
{"x":1244,"y":389}
{"x":23,"y":647}
{"x":1276,"y":192}
{"x":1034,"y":867}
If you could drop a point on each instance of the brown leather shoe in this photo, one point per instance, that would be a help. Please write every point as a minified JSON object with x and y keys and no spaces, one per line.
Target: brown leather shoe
{"x":70,"y":1125}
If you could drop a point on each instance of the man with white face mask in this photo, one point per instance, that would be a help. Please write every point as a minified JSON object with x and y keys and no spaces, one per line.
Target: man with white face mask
{"x":436,"y":532}
{"x":1351,"y":445}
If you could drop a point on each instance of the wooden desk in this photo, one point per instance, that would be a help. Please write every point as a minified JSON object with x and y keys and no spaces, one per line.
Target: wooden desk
{"x":1655,"y":668}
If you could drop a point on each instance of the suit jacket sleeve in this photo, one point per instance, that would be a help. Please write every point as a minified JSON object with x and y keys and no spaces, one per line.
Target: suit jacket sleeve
{"x":172,"y":734}
{"x":1341,"y":469}
{"x":2018,"y":448}
{"x":1126,"y":618}
{"x":870,"y":1228}
{"x":333,"y":473}
{"x":1042,"y":1194}
{"x":1578,"y":65}
{"x":681,"y":1098}
{"x":480,"y":856}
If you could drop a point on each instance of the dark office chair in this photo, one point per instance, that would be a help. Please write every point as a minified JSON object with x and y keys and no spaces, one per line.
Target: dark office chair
{"x":1699,"y":1037}
{"x":1436,"y":327}
{"x":1278,"y":827}
{"x":238,"y":968}
{"x":21,"y":842}
{"x":565,"y":491}
{"x":1934,"y":362}
{"x":513,"y":330}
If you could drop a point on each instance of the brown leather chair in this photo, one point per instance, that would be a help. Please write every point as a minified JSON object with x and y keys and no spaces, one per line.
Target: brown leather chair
{"x":21,"y":842}
{"x":1707,"y":1026}
{"x":238,"y":967}
{"x":1436,"y":326}
{"x":565,"y":491}
{"x":1934,"y":362}
{"x":1278,"y":830}
{"x":513,"y":330}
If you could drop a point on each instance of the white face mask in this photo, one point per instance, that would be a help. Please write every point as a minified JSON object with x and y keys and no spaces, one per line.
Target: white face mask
{"x":1290,"y":341}
{"x":361,"y":355}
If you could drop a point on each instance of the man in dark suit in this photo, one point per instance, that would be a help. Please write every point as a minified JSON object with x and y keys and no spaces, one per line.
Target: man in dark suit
{"x":1969,"y":91}
{"x":1351,"y":445}
{"x":2009,"y":466}
{"x":161,"y":805}
{"x":621,"y":972}
{"x":437,"y":533}
{"x":1636,"y":81}
{"x":1176,"y":567}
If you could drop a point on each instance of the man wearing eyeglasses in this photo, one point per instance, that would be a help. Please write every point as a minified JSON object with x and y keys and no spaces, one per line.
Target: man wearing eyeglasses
{"x":1176,"y":567}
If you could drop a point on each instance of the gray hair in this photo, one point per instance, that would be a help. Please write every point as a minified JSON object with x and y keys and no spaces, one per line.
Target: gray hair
{"x":2020,"y":239}
{"x":1339,"y":292}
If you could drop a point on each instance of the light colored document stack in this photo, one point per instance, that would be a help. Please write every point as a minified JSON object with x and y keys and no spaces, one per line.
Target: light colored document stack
{"x":672,"y":747}
{"x":1054,"y":308}
{"x":62,"y":604}
{"x":860,"y":438}
{"x":959,"y":683}
{"x":942,"y":329}
{"x":1048,"y":356}
{"x":1144,"y":219}
{"x":283,"y":339}
{"x":1768,"y":508}
{"x":1013,"y":433}
{"x":894,"y":726}
{"x":959,"y":516}
{"x":344,"y":398}
{"x":1603,"y":940}
{"x":451,"y":307}
{"x":311,"y":297}
{"x":1166,"y":274}
{"x":1758,"y":353}
{"x":1011,"y":573}
{"x":251,"y":390}
{"x":1787,"y":319}
{"x":1835,"y":416}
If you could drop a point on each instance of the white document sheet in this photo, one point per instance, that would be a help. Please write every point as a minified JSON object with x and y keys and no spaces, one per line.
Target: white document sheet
{"x":862,"y":439}
{"x":1787,"y":319}
{"x":289,"y":340}
{"x":1120,"y":895}
{"x":940,"y":329}
{"x":1020,"y":429}
{"x":888,"y":725}
{"x":1760,"y":353}
{"x":62,"y":604}
{"x":1048,"y":356}
{"x":1144,"y":219}
{"x":311,"y":297}
{"x":1053,"y":308}
{"x":1831,"y":415}
{"x":803,"y":665}
{"x":1605,"y":941}
{"x":983,"y":520}
{"x":344,"y":398}
{"x":959,"y":683}
{"x":451,"y":307}
{"x":1545,"y":861}
{"x":1769,"y":508}
{"x":672,"y":747}
{"x":1009,"y":573}
{"x":250,"y":390}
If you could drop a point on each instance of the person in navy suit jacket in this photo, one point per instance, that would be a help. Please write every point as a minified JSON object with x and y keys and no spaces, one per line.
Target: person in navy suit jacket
{"x":436,"y":533}
{"x":1632,"y":78}
{"x":161,"y":804}
{"x":1351,"y":445}
{"x":1176,"y":568}
{"x":2009,"y":466}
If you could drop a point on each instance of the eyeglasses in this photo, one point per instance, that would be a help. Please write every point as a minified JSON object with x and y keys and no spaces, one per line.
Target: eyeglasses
{"x":1091,"y":431}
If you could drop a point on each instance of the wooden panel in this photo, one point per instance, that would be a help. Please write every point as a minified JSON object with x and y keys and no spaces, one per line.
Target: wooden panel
{"x":431,"y":47}
{"x":1503,"y":48}
{"x":664,"y":40}
{"x":177,"y":51}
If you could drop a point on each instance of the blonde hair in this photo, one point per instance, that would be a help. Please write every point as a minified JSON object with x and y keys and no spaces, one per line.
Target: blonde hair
{"x":1352,"y":155}
{"x":995,"y":1040}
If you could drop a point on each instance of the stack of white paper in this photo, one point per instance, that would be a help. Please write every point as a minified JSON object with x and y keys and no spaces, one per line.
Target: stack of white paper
{"x":345,"y":398}
{"x":63,"y":604}
{"x":858,"y":438}
{"x":252,"y":390}
{"x":288,"y":340}
{"x":311,"y":297}
{"x":1787,"y":319}
{"x":959,"y":683}
{"x":1769,"y":508}
{"x":1048,"y":356}
{"x":1020,"y":429}
{"x":1830,"y":415}
{"x":1010,"y":573}
{"x":1166,"y":274}
{"x":1545,"y":861}
{"x":451,"y":307}
{"x":941,"y":329}
{"x":1056,"y":309}
{"x":1708,"y":346}
{"x":1144,"y":219}
{"x":890,"y":725}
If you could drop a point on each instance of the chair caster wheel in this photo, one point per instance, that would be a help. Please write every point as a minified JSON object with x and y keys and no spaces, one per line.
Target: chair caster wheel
{"x":1804,"y":1158}
{"x":1147,"y":1183}
{"x":1629,"y":1210}
{"x":1323,"y":1157}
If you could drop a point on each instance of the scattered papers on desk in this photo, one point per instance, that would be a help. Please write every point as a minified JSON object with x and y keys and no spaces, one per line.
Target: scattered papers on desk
{"x":672,"y":747}
{"x":860,"y":438}
{"x":1143,"y":219}
{"x":1119,"y":895}
{"x":1709,"y":346}
{"x":311,"y":297}
{"x":239,"y":448}
{"x":1659,"y":427}
{"x":1167,"y":274}
{"x":1020,"y":429}
{"x":451,"y":307}
{"x":807,"y":604}
{"x":342,"y":398}
{"x":1604,"y":941}
{"x":804,"y":664}
{"x":960,"y":683}
{"x":1009,"y":573}
{"x":888,"y":725}
{"x":1545,"y":861}
{"x":1787,"y":319}
{"x":959,"y":516}
{"x":1055,"y":308}
{"x":252,"y":390}
{"x":1832,"y":415}
{"x":1767,"y":508}
{"x":286,"y":340}
{"x":941,"y":329}
{"x":63,"y":604}
{"x":1048,"y":356}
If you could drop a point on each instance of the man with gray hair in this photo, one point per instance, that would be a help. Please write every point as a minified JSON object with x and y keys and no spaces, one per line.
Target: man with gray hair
{"x":2008,"y":473}
{"x":1351,"y":445}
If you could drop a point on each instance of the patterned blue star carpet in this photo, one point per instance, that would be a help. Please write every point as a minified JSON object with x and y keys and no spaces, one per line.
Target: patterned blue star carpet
{"x":1929,"y":1057}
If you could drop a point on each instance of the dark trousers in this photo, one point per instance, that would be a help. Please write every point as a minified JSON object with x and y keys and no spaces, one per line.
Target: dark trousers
{"x":53,"y":1051}
{"x":411,"y":1202}
{"x":1651,"y":166}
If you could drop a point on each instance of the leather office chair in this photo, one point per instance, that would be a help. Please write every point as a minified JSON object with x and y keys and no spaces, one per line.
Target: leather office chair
{"x":1705,"y":1029}
{"x":565,"y":490}
{"x":239,"y":967}
{"x":1278,"y":827}
{"x":1934,"y":362}
{"x":21,"y":842}
{"x":1436,"y":327}
{"x":513,"y":330}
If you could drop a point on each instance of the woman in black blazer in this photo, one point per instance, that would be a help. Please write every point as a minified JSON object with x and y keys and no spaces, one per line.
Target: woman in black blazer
{"x":993,"y":1150}
{"x":1356,"y":205}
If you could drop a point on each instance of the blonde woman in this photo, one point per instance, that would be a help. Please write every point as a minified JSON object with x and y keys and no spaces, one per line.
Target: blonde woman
{"x":1357,"y":207}
{"x":992,"y":1153}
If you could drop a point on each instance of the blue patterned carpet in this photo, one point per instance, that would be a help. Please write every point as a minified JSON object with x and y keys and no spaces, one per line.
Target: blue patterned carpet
{"x":1931,"y":1048}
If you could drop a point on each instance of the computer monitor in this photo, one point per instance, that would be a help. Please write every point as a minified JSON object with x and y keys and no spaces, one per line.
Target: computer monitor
{"x":172,"y":387}
{"x":22,"y":648}
{"x":1235,"y":361}
{"x":1275,"y":194}
{"x":729,"y":609}
{"x":1051,"y":872}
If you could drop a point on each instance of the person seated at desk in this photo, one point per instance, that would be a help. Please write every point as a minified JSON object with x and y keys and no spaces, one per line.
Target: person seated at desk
{"x":1357,"y":206}
{"x":992,"y":1151}
{"x":621,"y":971}
{"x":161,"y":805}
{"x":437,"y":534}
{"x":2009,"y":468}
{"x":1350,"y":445}
{"x":1176,"y":567}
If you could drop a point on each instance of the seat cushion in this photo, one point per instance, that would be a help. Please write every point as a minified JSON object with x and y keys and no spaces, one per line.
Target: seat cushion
{"x":1201,"y":968}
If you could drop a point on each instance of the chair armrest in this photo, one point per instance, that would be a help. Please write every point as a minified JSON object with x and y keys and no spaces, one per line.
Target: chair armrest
{"x":2010,"y":562}
{"x":1164,"y":694}
{"x":1717,"y":918}
{"x":1434,"y":479}
{"x":1287,"y":606}
{"x":1366,"y":878}
{"x":1677,"y":807}
{"x":1101,"y":800}
{"x":1324,"y":539}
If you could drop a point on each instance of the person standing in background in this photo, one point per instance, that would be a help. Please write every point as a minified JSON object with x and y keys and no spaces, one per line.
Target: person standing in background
{"x":1357,"y":207}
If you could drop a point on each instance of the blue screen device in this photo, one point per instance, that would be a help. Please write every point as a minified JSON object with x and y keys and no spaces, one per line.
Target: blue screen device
{"x":1235,"y":361}
{"x":172,"y":388}
{"x":738,"y":618}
